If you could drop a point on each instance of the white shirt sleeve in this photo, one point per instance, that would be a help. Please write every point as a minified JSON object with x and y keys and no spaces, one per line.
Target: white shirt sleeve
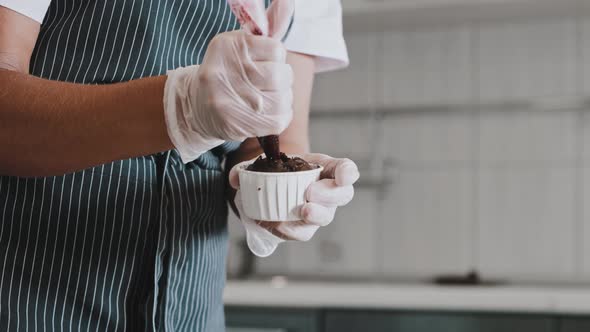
{"x":317,"y":31}
{"x":34,"y":9}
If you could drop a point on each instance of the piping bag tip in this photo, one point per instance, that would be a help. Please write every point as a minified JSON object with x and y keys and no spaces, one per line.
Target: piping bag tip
{"x":251,"y":14}
{"x":274,"y":22}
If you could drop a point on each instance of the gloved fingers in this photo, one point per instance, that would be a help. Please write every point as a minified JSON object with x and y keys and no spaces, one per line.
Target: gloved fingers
{"x":229,"y":89}
{"x":327,"y":193}
{"x":268,"y":103}
{"x":343,"y":170}
{"x":317,"y":214}
{"x":346,"y":172}
{"x":260,"y":124}
{"x":275,"y":117}
{"x":278,"y":102}
{"x":290,"y":230}
{"x":253,"y":99}
{"x":270,"y":76}
{"x":265,"y":49}
{"x":257,"y":113}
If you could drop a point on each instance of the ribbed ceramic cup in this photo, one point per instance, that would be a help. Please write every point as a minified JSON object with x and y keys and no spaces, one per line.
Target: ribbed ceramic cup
{"x":274,"y":196}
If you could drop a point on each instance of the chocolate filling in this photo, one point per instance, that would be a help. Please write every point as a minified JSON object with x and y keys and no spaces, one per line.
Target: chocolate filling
{"x":282,"y":165}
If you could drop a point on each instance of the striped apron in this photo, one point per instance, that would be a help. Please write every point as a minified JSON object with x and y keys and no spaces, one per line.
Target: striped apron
{"x":134,"y":245}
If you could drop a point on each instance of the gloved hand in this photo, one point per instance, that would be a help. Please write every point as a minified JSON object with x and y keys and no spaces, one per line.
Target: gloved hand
{"x":242,"y":89}
{"x":334,"y":189}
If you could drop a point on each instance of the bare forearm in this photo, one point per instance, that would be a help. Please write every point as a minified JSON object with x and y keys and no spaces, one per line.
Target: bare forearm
{"x":52,"y":128}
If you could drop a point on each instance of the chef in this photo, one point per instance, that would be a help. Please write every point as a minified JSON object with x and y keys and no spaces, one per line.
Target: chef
{"x":115,"y":118}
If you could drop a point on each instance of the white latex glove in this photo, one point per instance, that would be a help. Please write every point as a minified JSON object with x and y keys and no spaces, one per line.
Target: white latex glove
{"x":242,"y":89}
{"x":334,"y":189}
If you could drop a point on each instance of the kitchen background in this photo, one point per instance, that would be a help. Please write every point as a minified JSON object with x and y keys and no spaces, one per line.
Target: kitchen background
{"x":470,"y":121}
{"x":473,"y":134}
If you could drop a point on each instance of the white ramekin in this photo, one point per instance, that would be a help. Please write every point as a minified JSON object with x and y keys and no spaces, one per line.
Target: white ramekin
{"x":274,"y":196}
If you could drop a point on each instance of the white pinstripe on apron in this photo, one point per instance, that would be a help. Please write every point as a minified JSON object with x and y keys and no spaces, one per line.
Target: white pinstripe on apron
{"x":137,"y":244}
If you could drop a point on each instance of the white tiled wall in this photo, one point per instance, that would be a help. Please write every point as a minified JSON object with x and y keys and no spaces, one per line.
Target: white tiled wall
{"x":428,"y":67}
{"x":337,"y":139}
{"x":354,"y":87}
{"x":510,"y":137}
{"x":585,"y":54}
{"x":584,"y":225}
{"x":526,"y":223}
{"x":584,"y":246}
{"x":427,"y":223}
{"x":505,"y":189}
{"x":527,"y":193}
{"x":585,"y":140}
{"x":527,"y":59}
{"x":341,"y":249}
{"x":432,"y":138}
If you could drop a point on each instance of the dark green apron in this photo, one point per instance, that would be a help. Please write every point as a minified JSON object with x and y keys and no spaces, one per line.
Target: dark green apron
{"x":133,"y":245}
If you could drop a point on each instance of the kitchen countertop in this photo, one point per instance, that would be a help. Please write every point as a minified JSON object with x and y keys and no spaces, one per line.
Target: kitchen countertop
{"x":501,"y":298}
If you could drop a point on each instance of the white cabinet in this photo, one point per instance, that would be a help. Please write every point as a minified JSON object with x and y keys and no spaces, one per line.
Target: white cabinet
{"x":352,"y":88}
{"x":524,"y":60}
{"x":430,"y":67}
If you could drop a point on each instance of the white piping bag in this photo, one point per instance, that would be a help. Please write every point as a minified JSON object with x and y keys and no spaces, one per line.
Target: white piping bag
{"x":275,"y":23}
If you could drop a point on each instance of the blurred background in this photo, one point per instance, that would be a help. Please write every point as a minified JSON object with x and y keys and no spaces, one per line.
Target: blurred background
{"x":469,"y":120}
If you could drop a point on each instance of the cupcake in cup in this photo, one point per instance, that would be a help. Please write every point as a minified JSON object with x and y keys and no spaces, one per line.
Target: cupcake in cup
{"x":274,"y":190}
